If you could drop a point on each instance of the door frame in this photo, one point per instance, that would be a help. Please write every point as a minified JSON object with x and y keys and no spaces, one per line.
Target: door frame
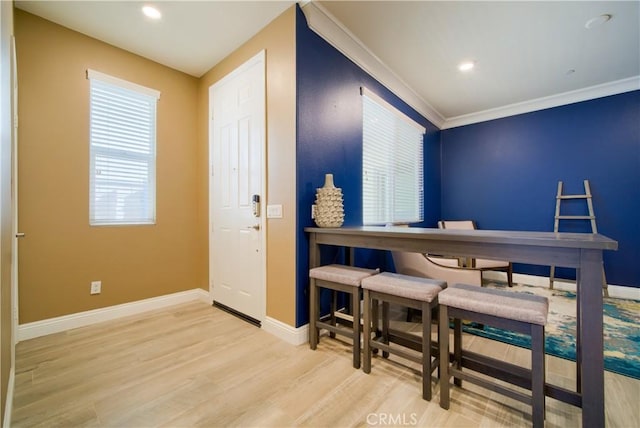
{"x":259,"y":58}
{"x":14,"y":197}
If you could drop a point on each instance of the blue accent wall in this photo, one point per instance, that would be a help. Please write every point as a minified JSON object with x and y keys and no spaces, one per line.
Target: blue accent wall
{"x":329,"y":140}
{"x":504,"y":174}
{"x":501,"y":173}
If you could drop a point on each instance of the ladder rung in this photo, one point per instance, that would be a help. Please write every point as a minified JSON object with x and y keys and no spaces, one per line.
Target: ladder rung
{"x":573,"y":196}
{"x":588,"y":197}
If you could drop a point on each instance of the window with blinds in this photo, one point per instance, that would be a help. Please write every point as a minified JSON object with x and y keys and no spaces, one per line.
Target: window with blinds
{"x":392,"y":164}
{"x":122,"y":151}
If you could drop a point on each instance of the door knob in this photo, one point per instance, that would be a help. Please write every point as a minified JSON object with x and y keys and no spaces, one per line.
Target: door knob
{"x":254,"y":227}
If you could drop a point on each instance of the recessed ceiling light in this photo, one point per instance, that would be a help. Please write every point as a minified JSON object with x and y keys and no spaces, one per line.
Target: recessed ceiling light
{"x":597,"y":21}
{"x":466,"y":66}
{"x":151,"y":12}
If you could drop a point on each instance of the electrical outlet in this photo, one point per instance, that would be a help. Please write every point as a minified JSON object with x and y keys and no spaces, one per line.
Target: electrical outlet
{"x":313,"y":212}
{"x":96,"y":287}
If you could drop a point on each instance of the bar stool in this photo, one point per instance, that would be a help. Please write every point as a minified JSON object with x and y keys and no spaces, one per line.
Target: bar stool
{"x":336,"y":278}
{"x":522,"y":313}
{"x":411,"y":292}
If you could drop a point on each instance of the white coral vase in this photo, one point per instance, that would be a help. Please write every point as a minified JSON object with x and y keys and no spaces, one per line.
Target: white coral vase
{"x":329,"y":210}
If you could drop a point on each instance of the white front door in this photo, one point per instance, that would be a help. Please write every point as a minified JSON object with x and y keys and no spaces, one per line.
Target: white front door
{"x":236,"y":190}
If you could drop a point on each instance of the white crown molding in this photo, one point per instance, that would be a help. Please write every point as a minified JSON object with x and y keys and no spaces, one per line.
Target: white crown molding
{"x":81,"y":319}
{"x":292,"y":335}
{"x":584,"y":94}
{"x":335,"y":33}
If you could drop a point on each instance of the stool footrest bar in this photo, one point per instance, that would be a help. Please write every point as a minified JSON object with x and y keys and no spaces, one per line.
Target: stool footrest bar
{"x":459,"y":374}
{"x":394,"y":350}
{"x":507,"y":372}
{"x":335,"y":329}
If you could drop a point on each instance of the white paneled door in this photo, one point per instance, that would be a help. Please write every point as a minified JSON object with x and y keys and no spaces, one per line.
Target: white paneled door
{"x":236,"y":191}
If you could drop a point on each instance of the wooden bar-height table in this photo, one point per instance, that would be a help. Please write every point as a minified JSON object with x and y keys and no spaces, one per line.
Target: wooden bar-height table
{"x":582,"y":251}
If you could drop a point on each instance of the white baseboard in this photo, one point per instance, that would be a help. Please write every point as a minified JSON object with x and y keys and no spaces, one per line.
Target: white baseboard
{"x":292,"y":335}
{"x":300,"y":335}
{"x":615,"y":291}
{"x":8,"y":403}
{"x":81,"y":319}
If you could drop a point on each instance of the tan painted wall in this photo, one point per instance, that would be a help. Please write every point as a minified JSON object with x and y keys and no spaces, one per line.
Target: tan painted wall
{"x":6,"y":210}
{"x":278,"y":39}
{"x":61,"y":254}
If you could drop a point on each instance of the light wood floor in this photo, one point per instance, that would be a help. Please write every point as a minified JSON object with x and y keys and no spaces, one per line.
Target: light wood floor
{"x":194,"y":365}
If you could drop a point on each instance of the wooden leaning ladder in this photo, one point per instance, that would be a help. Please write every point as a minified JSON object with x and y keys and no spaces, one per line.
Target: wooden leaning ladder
{"x":591,"y":217}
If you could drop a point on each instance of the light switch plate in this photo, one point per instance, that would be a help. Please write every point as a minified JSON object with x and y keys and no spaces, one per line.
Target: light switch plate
{"x":274,"y":211}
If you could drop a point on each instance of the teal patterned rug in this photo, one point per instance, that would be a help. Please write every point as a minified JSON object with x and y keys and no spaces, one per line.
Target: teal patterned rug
{"x":621,"y":329}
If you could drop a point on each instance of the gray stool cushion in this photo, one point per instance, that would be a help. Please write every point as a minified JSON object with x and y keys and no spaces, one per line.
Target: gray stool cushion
{"x":341,"y":274}
{"x":410,"y":287}
{"x":527,"y":308}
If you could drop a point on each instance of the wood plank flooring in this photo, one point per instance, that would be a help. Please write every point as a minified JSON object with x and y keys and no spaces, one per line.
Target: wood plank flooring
{"x":193,"y":365}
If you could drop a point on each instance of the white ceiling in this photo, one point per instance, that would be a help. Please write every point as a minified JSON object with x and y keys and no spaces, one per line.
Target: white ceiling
{"x":191,"y":36}
{"x":524,"y":51}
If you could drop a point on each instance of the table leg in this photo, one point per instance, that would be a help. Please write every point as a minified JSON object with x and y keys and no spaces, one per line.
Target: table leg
{"x":349,"y":257}
{"x":314,"y":311}
{"x":590,"y":338}
{"x":314,"y":252}
{"x":578,"y":330}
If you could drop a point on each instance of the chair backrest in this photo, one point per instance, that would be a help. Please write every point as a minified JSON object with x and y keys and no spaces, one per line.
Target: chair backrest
{"x":457,"y":224}
{"x":416,"y":264}
{"x":409,"y":264}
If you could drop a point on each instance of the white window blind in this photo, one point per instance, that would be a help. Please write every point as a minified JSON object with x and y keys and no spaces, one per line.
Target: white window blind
{"x":122,"y":151}
{"x":392,"y":164}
